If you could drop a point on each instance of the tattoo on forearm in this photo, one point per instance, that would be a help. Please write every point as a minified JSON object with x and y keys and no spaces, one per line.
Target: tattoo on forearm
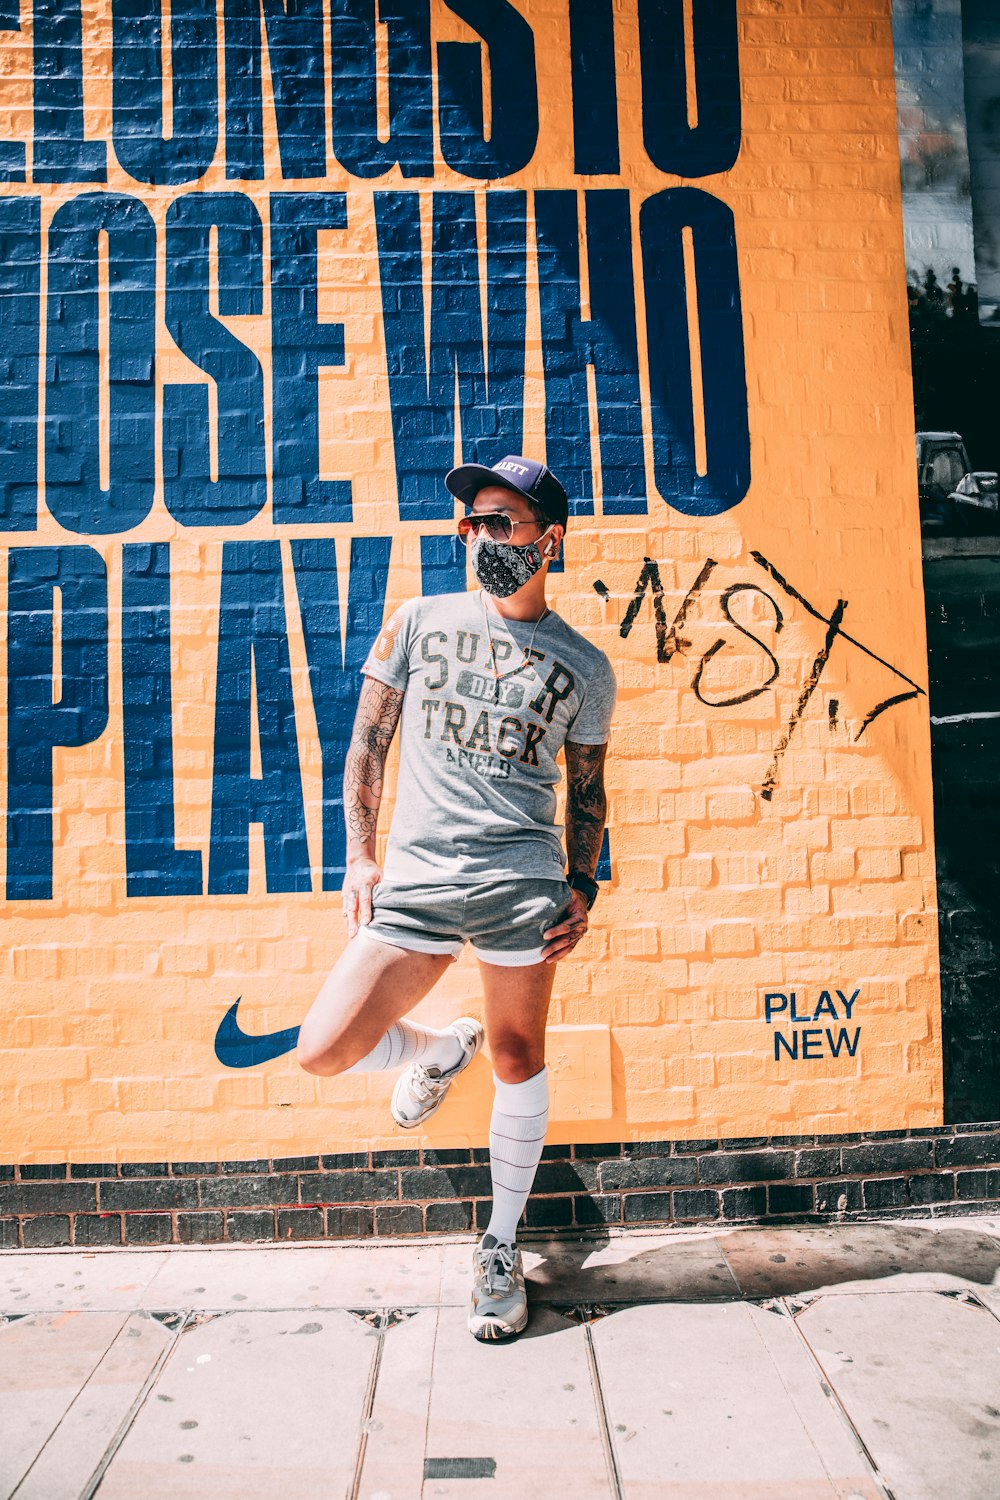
{"x":586,"y":805}
{"x":364,"y":768}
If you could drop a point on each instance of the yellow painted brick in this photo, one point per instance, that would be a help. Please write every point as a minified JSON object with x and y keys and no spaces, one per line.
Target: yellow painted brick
{"x":878,"y":832}
{"x":40,"y":1099}
{"x":739,"y":1068}
{"x":807,"y":900}
{"x":921,"y":990}
{"x":873,"y":928}
{"x":638,"y":941}
{"x":831,"y":801}
{"x":37,"y":1064}
{"x":642,"y":1010}
{"x":638,"y":808}
{"x":833,"y":867}
{"x":879,"y":864}
{"x":871,"y":895}
{"x":733,"y":937}
{"x":641,"y":874}
{"x":685,"y":741}
{"x":693,"y":1072}
{"x":829,"y":932}
{"x":693,"y":872}
{"x":19,"y":1032}
{"x":918,"y":864}
{"x":36,"y":963}
{"x":916,"y":926}
{"x":733,"y":806}
{"x":809,"y":833}
{"x":739,"y":869}
{"x":188,"y":1094}
{"x":873,"y":797}
{"x":755,"y":903}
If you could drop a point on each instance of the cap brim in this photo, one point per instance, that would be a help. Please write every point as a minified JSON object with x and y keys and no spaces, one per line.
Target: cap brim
{"x":467,"y":480}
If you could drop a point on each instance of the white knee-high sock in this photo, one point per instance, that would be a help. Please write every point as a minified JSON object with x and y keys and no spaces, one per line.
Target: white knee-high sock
{"x":406,"y":1042}
{"x":517,"y":1134}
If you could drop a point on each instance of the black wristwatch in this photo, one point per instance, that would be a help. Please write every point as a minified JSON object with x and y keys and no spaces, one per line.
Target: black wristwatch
{"x":587,"y":887}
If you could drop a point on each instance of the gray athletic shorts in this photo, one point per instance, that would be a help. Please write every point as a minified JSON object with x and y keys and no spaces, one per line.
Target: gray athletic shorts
{"x":503,"y":919}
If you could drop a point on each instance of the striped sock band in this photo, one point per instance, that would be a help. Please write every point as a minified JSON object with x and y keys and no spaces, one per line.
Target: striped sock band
{"x":406,"y":1042}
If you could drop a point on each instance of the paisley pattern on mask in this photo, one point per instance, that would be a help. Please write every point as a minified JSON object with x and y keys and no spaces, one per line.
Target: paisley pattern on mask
{"x":501,"y":567}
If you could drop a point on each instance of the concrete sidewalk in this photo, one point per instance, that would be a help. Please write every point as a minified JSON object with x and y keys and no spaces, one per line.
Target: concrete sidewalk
{"x":859,"y":1360}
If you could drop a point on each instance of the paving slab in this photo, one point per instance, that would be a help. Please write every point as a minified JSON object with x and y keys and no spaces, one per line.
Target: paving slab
{"x":511,"y":1420}
{"x":299,"y":1276}
{"x":251,"y":1405}
{"x":46,"y":1281}
{"x":712,"y":1402}
{"x":919,"y":1375}
{"x":843,"y":1257}
{"x":45,"y":1359}
{"x":74,"y":1452}
{"x":395,"y":1440}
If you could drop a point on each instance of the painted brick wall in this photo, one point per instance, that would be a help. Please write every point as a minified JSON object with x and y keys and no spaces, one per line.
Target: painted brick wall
{"x":770,"y":826}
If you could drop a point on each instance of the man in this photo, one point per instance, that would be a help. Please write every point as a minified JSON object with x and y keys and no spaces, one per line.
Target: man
{"x":489,"y":686}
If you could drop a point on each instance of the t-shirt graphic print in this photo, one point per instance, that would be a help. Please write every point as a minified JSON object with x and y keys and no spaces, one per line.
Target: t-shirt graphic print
{"x":488,"y":705}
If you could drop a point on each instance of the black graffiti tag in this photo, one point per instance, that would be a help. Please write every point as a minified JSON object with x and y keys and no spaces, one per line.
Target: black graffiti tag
{"x":671,"y":641}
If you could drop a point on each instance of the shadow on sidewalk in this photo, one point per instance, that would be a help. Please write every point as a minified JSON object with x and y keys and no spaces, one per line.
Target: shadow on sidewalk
{"x":588,"y":1278}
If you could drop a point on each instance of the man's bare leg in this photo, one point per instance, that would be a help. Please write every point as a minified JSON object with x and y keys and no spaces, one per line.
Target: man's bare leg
{"x":370,"y":987}
{"x":517,"y":1003}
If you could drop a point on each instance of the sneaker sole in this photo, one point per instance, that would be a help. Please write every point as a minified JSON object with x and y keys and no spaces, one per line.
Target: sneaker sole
{"x":493,"y":1331}
{"x":415,"y":1124}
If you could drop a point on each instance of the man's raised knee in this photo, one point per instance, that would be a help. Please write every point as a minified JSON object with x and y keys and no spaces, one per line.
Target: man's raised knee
{"x":324,"y":1060}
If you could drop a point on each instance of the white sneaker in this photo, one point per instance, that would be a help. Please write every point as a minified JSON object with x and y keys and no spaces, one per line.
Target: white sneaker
{"x":499,"y":1306}
{"x":420,"y":1088}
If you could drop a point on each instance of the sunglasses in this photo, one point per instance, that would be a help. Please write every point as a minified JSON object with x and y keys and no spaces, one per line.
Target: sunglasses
{"x":498,"y":525}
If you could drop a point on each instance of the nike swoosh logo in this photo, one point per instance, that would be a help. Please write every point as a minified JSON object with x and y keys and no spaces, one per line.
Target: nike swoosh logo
{"x":236,"y":1049}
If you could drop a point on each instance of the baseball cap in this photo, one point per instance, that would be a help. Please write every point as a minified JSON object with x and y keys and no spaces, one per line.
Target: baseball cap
{"x":524,"y":476}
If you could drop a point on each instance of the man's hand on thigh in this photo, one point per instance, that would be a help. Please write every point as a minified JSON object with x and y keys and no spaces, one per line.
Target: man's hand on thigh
{"x":561,"y":939}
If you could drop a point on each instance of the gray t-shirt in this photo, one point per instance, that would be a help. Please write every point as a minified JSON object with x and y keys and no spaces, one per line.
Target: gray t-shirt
{"x":475,"y":799}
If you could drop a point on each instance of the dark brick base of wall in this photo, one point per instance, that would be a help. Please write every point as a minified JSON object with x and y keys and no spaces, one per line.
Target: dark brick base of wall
{"x":950,"y":1169}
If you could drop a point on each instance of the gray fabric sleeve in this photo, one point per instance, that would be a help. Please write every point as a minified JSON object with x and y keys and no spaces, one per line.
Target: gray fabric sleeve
{"x":388,"y":660}
{"x":592,"y":724}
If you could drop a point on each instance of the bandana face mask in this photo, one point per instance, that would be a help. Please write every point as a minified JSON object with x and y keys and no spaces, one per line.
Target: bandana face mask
{"x":503,"y":568}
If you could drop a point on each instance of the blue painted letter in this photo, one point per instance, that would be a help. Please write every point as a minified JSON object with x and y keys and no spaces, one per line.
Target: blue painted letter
{"x":240,"y":490}
{"x":35,"y":723}
{"x":253,"y":643}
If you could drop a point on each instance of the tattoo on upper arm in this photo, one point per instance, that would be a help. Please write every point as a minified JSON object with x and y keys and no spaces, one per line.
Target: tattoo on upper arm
{"x":586,"y":804}
{"x":374,"y":726}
